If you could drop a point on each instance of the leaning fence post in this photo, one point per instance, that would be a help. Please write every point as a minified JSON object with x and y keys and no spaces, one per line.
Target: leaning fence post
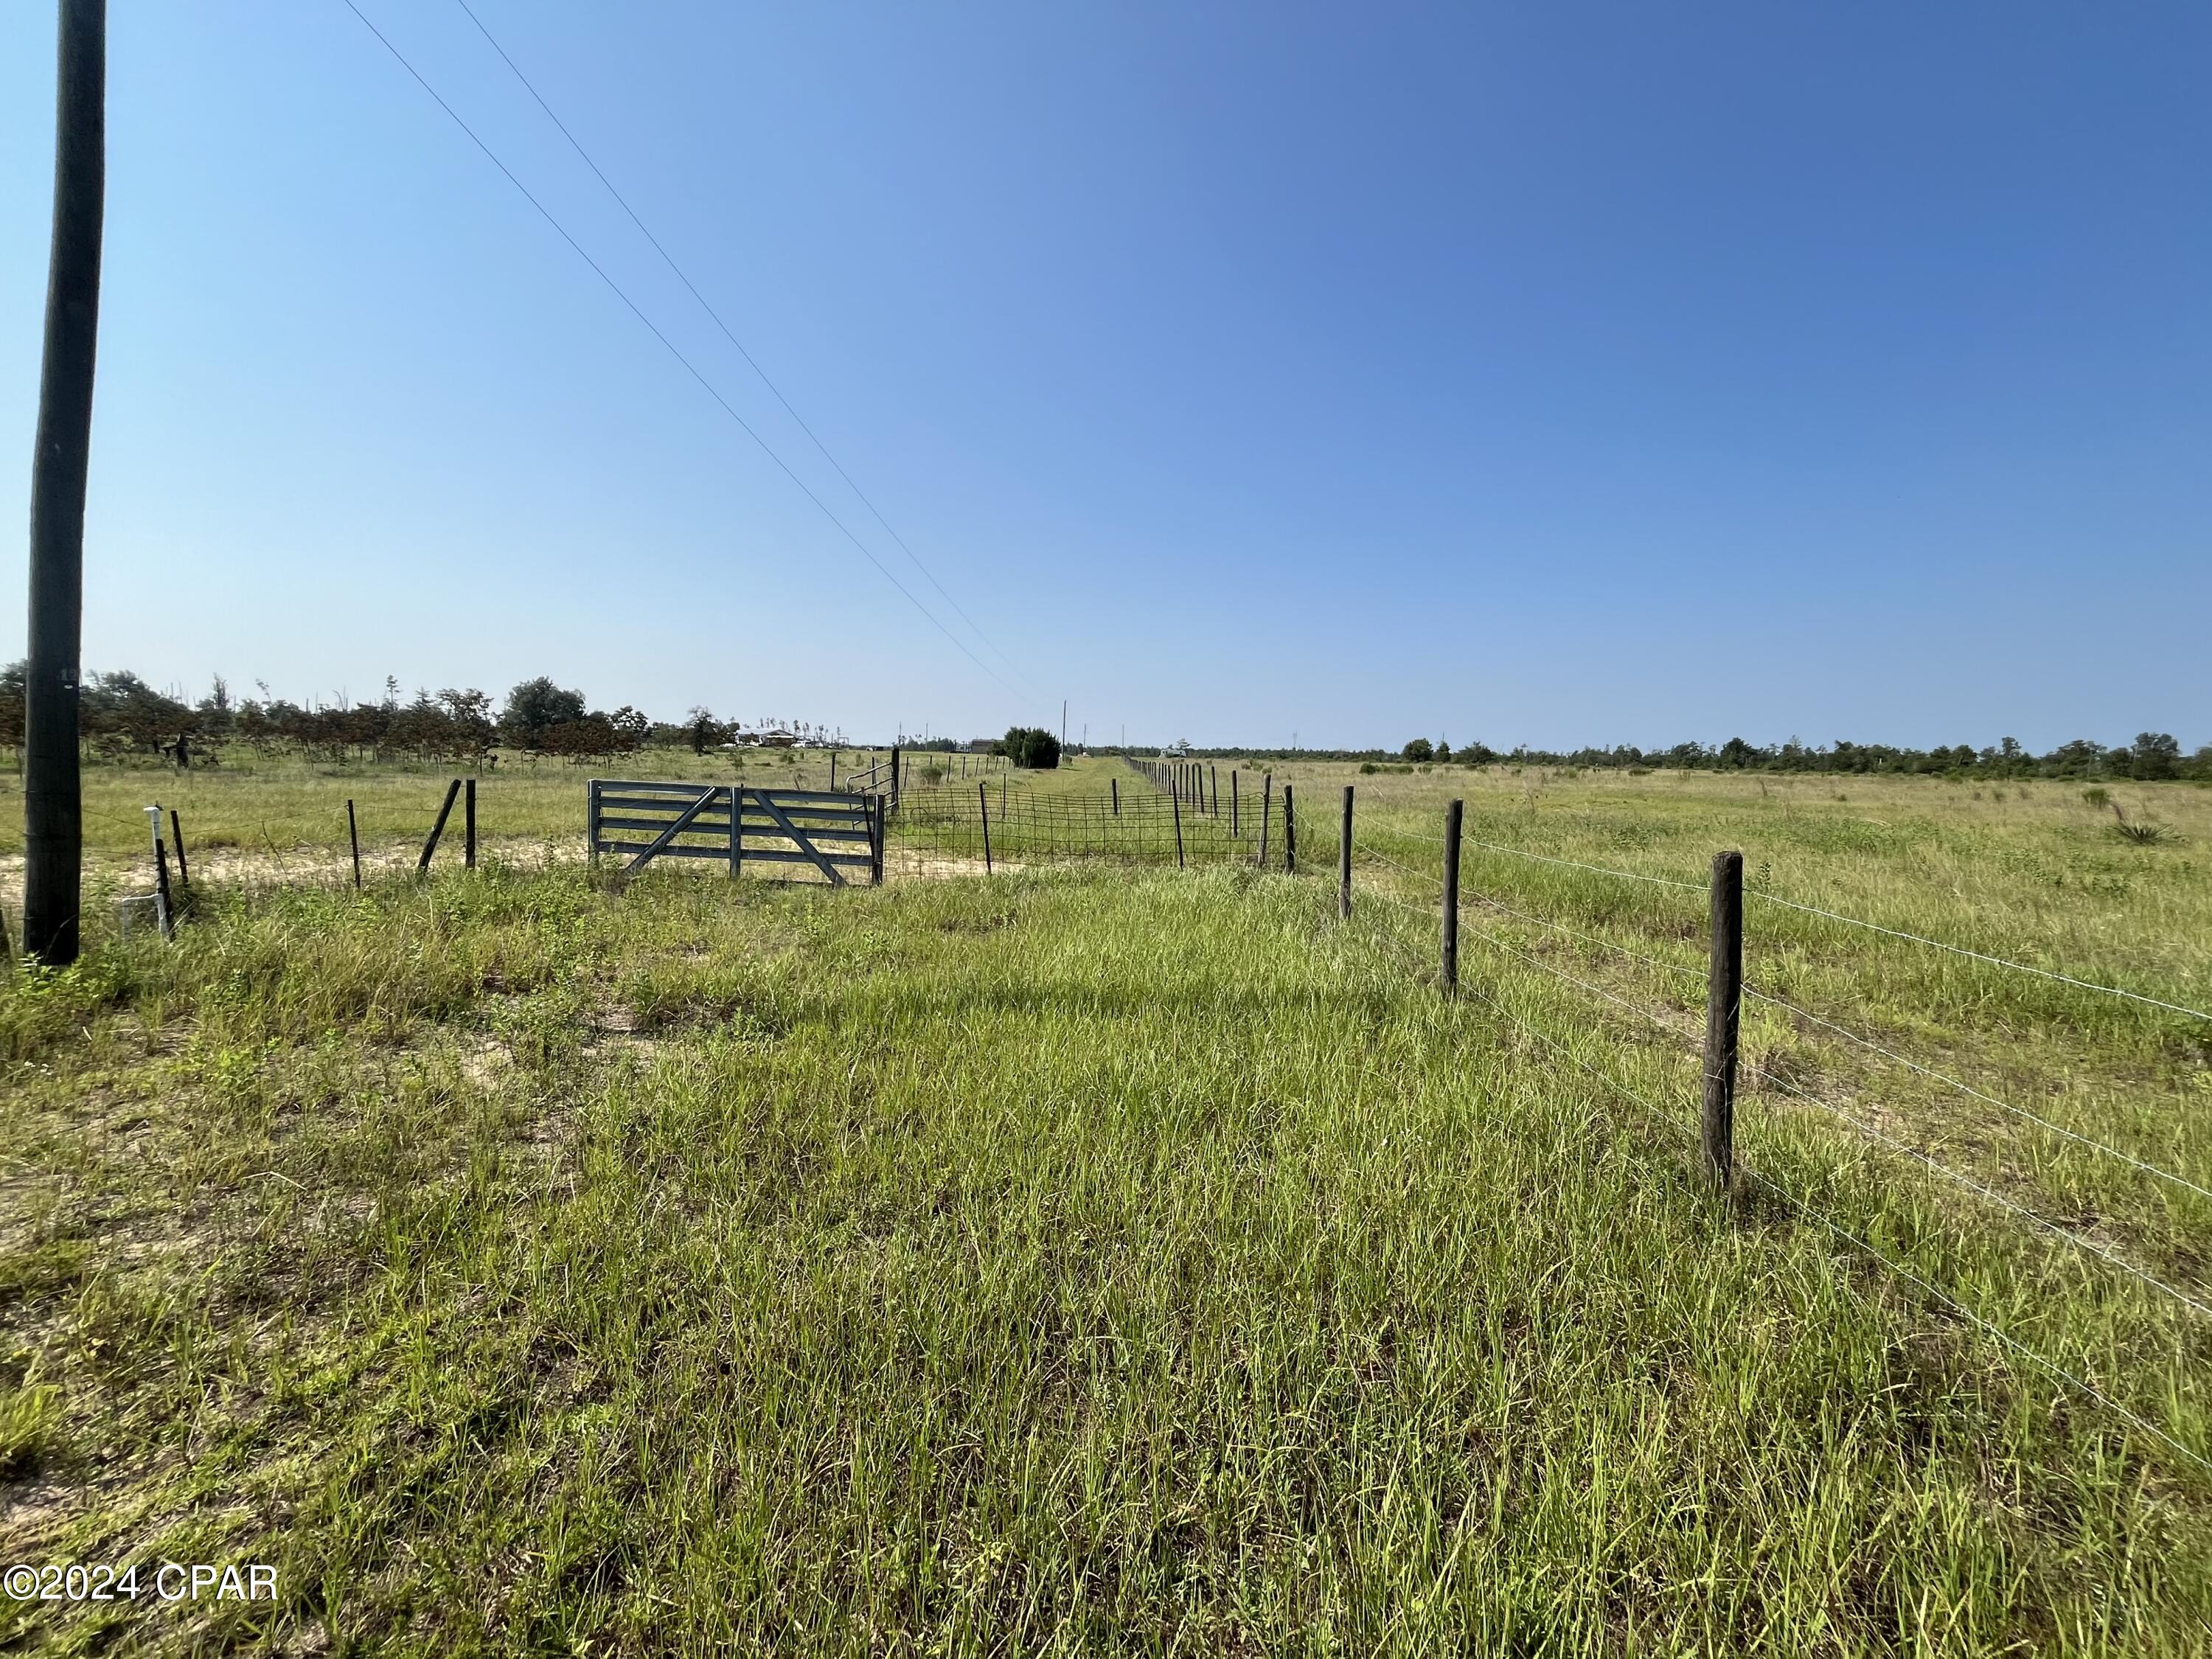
{"x":469,"y":827}
{"x":1724,"y":1002}
{"x":353,"y":835}
{"x":1115,"y":784}
{"x":1176,"y":801}
{"x":439,"y":828}
{"x":1289,"y":833}
{"x":1344,"y":861}
{"x":1451,"y":897}
{"x":983,"y":800}
{"x":184,"y":870}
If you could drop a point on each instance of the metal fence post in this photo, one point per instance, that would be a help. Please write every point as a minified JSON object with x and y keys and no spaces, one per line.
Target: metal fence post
{"x":1235,"y":833}
{"x":1266,"y":807}
{"x":983,"y":799}
{"x":738,"y":829}
{"x":162,"y":914}
{"x":1451,"y":897}
{"x":1290,"y":832}
{"x":469,"y":827}
{"x":1344,"y":861}
{"x":1176,"y":801}
{"x":1724,"y":1002}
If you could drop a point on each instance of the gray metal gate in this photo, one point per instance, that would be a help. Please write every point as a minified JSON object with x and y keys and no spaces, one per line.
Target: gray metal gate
{"x":736,"y":824}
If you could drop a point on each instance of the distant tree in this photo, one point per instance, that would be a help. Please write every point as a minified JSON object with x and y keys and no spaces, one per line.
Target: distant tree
{"x":1419,"y":750}
{"x":1736,"y":752}
{"x":1444,"y":752}
{"x":1476,"y":754}
{"x":122,"y":714}
{"x":535,"y":708}
{"x":470,"y":713}
{"x":2154,"y":756}
{"x":631,"y":729}
{"x":1031,"y":746}
{"x":702,"y":730}
{"x":12,"y":680}
{"x":215,"y":711}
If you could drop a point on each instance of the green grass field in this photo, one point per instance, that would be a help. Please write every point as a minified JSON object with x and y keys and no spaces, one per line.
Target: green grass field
{"x":1107,"y":1258}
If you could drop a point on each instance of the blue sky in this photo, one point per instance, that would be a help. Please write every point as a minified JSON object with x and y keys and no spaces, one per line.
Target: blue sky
{"x":1549,"y":373}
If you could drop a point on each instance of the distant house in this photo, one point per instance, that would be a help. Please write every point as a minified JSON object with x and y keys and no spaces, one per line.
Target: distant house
{"x":982,"y":745}
{"x":773,"y":737}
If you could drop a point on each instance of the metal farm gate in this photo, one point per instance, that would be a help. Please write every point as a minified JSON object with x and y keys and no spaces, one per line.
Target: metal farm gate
{"x":737,"y":824}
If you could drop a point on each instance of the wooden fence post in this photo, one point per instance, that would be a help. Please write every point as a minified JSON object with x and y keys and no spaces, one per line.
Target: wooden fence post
{"x":1115,"y":784}
{"x":1266,"y":807}
{"x":353,"y":835}
{"x":1723,"y":1001}
{"x":876,"y":840}
{"x":895,"y":774}
{"x":184,"y":870}
{"x":983,"y":799}
{"x":438,"y":828}
{"x":1451,"y":898}
{"x":1344,"y":861}
{"x":469,"y":827}
{"x":1290,"y":832}
{"x":1176,"y":801}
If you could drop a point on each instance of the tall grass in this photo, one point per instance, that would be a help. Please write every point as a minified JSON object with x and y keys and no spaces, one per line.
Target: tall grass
{"x":1140,"y":1263}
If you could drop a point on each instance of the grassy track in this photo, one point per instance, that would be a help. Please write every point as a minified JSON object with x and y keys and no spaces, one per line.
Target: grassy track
{"x":1079,"y":1263}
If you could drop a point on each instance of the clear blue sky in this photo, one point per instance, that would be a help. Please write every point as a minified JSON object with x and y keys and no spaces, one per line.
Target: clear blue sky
{"x":1550,"y":372}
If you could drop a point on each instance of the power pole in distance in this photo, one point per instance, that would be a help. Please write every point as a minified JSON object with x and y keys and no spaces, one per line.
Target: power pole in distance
{"x":53,"y":831}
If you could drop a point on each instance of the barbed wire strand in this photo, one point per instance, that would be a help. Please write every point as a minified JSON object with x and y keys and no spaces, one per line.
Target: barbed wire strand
{"x":1967,"y":1088}
{"x":1805,"y":1212}
{"x":2000,"y":961}
{"x":1587,"y":938}
{"x":1990,"y":1193}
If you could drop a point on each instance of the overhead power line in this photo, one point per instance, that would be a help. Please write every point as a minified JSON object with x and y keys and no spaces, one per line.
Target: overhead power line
{"x":690,"y":368}
{"x":669,"y":260}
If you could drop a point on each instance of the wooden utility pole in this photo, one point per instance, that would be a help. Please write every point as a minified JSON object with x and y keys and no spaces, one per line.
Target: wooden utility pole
{"x":53,"y":826}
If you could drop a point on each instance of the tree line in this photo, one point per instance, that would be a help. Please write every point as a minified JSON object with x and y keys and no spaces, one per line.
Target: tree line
{"x":2153,"y":756}
{"x":121,"y":716}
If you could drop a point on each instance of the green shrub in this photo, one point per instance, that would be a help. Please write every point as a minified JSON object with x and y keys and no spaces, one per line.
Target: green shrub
{"x":1031,"y":746}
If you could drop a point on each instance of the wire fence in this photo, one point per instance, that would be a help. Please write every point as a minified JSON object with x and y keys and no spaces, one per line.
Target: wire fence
{"x":1393,"y":875}
{"x":1388,"y":877}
